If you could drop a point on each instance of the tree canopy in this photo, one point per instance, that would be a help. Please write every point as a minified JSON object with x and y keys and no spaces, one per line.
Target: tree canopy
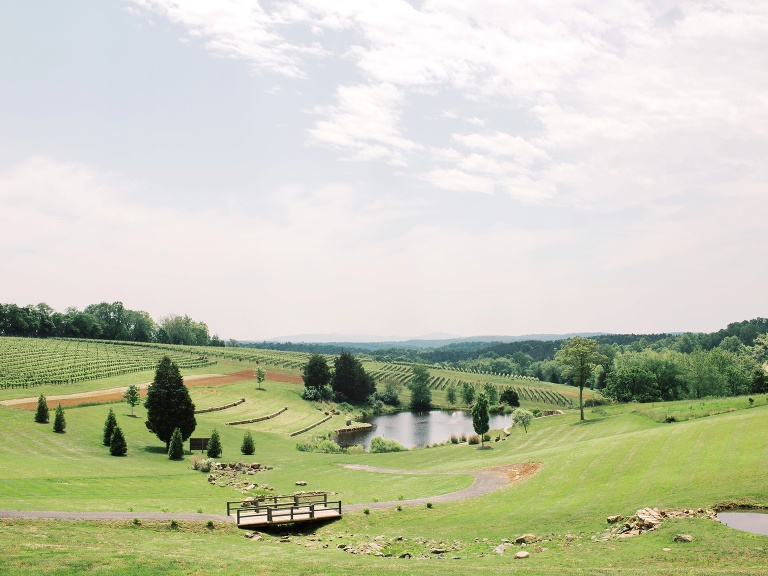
{"x":317,"y":373}
{"x":579,"y":356}
{"x":421,"y":397}
{"x":350,"y":381}
{"x":168,"y":404}
{"x":480,"y":417}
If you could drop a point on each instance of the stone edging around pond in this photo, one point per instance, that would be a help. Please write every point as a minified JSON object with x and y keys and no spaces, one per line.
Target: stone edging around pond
{"x":355,"y":428}
{"x":216,"y":408}
{"x":259,"y":419}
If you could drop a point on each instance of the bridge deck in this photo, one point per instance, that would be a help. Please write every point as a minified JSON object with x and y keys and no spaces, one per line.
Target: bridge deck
{"x":263,"y":514}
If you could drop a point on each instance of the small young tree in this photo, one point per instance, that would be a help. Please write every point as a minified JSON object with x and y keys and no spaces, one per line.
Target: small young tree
{"x":522,"y":417}
{"x":260,"y":375}
{"x":480,"y":417}
{"x":248,"y":448}
{"x":421,"y":397}
{"x":492,"y":393}
{"x":214,"y":445}
{"x":59,"y":423}
{"x":176,"y":445}
{"x":450,"y":394}
{"x":109,"y":426}
{"x":467,"y":393}
{"x":132,"y":396}
{"x":117,"y":445}
{"x":41,"y":416}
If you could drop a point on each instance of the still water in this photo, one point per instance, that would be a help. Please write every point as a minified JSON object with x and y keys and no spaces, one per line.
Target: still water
{"x":754,"y":522}
{"x":419,"y":428}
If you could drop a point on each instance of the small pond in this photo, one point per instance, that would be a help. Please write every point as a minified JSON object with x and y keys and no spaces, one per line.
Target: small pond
{"x":754,"y":522}
{"x":419,"y":428}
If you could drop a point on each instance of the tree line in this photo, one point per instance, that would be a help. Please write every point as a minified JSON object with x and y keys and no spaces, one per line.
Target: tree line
{"x":103,"y":321}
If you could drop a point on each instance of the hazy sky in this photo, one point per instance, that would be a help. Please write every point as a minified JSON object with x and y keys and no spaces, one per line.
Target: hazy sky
{"x":388,"y":167}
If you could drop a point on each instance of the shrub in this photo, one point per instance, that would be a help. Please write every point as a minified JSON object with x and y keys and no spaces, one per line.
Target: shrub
{"x":536,"y":412}
{"x":328,"y":447}
{"x":41,"y":416}
{"x":429,"y":504}
{"x":174,"y":523}
{"x":214,"y":445}
{"x":374,"y":402}
{"x":399,"y":508}
{"x":345,"y":407}
{"x":109,"y":427}
{"x":366,"y":511}
{"x":463,"y":437}
{"x":486,"y":437}
{"x":137,"y":522}
{"x":355,"y":449}
{"x":473,"y":439}
{"x":209,"y":524}
{"x":380,"y":445}
{"x":454,"y":439}
{"x":203,"y":464}
{"x":59,"y":423}
{"x":391,"y":393}
{"x":510,"y":396}
{"x":176,"y":447}
{"x":117,"y":445}
{"x":670,"y":419}
{"x":247,"y":447}
{"x":311,"y":394}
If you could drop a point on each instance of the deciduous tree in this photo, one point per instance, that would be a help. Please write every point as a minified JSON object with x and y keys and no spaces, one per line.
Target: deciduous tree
{"x":132,"y":396}
{"x":317,"y":373}
{"x":467,"y":393}
{"x":260,"y":375}
{"x":168,"y":404}
{"x":579,"y":356}
{"x":421,"y":397}
{"x":522,"y":417}
{"x":480,"y":417}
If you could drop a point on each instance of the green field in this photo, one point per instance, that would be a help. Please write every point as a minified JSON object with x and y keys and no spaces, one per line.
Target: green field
{"x":619,"y":460}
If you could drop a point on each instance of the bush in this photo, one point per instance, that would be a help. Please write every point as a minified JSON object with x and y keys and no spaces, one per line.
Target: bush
{"x":670,"y":419}
{"x":209,"y":524}
{"x":473,"y":439}
{"x":355,"y":449}
{"x":117,"y":445}
{"x":214,"y":445}
{"x":247,"y":447}
{"x":429,"y":504}
{"x":486,"y":437}
{"x":203,"y":464}
{"x":174,"y":524}
{"x":366,"y":511}
{"x":345,"y":407}
{"x":454,"y":439}
{"x":176,"y":448}
{"x":380,"y":445}
{"x":510,"y":396}
{"x":374,"y":402}
{"x":391,"y":393}
{"x":536,"y":412}
{"x":399,"y":508}
{"x":311,"y":394}
{"x":463,"y":437}
{"x":41,"y":416}
{"x":59,"y":423}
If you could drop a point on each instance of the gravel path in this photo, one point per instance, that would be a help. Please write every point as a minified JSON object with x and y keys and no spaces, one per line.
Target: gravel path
{"x":485,"y":482}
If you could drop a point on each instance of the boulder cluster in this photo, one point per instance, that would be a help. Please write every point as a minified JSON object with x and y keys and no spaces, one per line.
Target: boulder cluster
{"x":648,"y":519}
{"x":237,"y":475}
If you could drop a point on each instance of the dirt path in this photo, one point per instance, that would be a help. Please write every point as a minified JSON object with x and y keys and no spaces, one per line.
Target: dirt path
{"x":486,"y":481}
{"x":116,"y":394}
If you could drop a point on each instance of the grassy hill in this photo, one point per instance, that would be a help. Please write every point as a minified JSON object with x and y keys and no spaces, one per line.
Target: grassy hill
{"x":621,"y":459}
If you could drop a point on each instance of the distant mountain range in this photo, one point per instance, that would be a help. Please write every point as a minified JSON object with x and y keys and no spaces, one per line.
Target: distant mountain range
{"x":426,"y":341}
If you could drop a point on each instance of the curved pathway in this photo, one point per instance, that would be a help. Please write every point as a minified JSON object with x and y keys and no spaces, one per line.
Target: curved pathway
{"x":485,"y":482}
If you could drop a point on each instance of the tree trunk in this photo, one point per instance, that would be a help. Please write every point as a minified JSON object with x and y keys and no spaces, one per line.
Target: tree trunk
{"x":581,"y":402}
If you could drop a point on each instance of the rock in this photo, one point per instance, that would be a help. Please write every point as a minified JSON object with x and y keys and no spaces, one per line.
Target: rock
{"x":525,"y":539}
{"x":683,"y":538}
{"x":301,"y":483}
{"x":666,"y":549}
{"x":500,"y":548}
{"x":522,"y":554}
{"x":405,"y":555}
{"x":570,"y":537}
{"x":437,"y":551}
{"x":614,"y":519}
{"x":342,"y":545}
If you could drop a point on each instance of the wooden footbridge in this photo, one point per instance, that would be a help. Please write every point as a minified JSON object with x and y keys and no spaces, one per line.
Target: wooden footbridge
{"x":283,"y":509}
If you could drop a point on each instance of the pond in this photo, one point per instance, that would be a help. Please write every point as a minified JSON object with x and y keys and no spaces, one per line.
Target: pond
{"x":754,"y":522}
{"x":419,"y":428}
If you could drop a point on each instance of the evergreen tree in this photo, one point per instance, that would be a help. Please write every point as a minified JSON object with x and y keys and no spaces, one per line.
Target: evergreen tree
{"x":317,"y":373}
{"x":480,"y":417}
{"x":41,"y":416}
{"x":117,"y":445}
{"x":176,"y":445}
{"x":421,"y":397}
{"x":510,"y":396}
{"x":350,"y":380}
{"x":132,"y":396}
{"x":109,"y":427}
{"x":59,"y":423}
{"x":214,"y":445}
{"x":248,"y":447}
{"x":168,"y":404}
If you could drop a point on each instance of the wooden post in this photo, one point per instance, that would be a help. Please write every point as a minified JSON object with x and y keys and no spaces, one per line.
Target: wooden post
{"x":311,"y":510}
{"x":269,"y":514}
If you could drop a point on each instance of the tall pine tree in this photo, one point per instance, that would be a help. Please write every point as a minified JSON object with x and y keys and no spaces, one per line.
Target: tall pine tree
{"x":168,"y":404}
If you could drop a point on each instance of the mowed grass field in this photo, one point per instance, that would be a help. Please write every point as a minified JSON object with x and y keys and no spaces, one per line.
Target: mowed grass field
{"x":614,"y":463}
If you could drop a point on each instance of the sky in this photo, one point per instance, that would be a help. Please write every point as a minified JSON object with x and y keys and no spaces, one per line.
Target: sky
{"x":388,"y":167}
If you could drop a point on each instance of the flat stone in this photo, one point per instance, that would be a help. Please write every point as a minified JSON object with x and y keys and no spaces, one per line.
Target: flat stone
{"x":525,"y":539}
{"x":683,"y":538}
{"x":522,"y":554}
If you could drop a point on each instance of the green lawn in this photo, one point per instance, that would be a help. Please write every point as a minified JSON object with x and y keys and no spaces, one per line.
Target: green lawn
{"x":617,"y":461}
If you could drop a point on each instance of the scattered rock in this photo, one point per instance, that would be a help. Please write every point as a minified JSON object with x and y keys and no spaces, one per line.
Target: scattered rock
{"x":525,"y":539}
{"x":437,"y":551}
{"x":683,"y":538}
{"x":301,"y":483}
{"x":522,"y":554}
{"x":405,"y":555}
{"x":614,"y":519}
{"x":500,"y":548}
{"x":666,"y":549}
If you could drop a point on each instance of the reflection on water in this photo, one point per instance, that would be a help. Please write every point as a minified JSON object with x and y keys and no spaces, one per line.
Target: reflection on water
{"x":419,"y":428}
{"x":754,"y":522}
